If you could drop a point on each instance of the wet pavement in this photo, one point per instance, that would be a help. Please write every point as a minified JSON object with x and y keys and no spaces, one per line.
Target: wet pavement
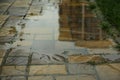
{"x":30,"y":49}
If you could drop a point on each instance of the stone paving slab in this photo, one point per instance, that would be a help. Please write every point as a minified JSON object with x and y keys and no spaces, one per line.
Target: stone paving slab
{"x":7,"y":32}
{"x":23,"y":43}
{"x":8,"y":1}
{"x":43,"y":37}
{"x":13,"y":70}
{"x":47,"y":69}
{"x":116,"y":66}
{"x":1,"y":23}
{"x":16,"y":61}
{"x":17,"y":11}
{"x":103,"y":51}
{"x":21,"y":3}
{"x":112,"y":57}
{"x":34,"y":11}
{"x":48,"y":59}
{"x":72,"y":70}
{"x":3,"y":17}
{"x":40,"y":78}
{"x":76,"y":77}
{"x":80,"y":69}
{"x":79,"y":59}
{"x":13,"y":78}
{"x":2,"y":52}
{"x":26,"y":36}
{"x":1,"y":61}
{"x":107,"y":72}
{"x":20,"y":52}
{"x":78,"y":51}
{"x":92,"y":59}
{"x":12,"y":21}
{"x":3,"y":7}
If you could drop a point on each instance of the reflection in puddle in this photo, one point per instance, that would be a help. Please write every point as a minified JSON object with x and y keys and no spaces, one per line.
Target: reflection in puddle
{"x":43,"y":30}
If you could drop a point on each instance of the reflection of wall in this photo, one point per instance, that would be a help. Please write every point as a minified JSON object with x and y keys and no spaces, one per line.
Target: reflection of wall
{"x":77,"y":22}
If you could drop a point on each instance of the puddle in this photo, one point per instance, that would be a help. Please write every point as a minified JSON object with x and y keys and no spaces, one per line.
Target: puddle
{"x":37,"y":35}
{"x":43,"y":31}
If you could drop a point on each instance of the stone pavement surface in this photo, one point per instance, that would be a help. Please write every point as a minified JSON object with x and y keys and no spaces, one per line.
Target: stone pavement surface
{"x":30,"y":50}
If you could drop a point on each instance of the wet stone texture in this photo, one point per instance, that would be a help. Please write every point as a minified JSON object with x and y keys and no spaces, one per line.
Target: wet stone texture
{"x":13,"y":78}
{"x":81,"y":69}
{"x":16,"y":61}
{"x":82,"y":77}
{"x":3,"y":18}
{"x":1,"y":61}
{"x":3,"y":7}
{"x":30,"y":49}
{"x":20,"y":52}
{"x":12,"y":21}
{"x":7,"y":34}
{"x":13,"y":70}
{"x":108,"y":72}
{"x":48,"y":59}
{"x":2,"y":53}
{"x":40,"y":78}
{"x":47,"y":69}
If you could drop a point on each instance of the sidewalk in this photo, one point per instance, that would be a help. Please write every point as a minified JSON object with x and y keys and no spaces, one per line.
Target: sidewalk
{"x":30,"y":50}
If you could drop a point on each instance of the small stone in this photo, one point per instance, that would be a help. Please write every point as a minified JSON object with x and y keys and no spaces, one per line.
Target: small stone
{"x":47,"y":69}
{"x":13,"y":70}
{"x":76,"y":77}
{"x":40,"y":78}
